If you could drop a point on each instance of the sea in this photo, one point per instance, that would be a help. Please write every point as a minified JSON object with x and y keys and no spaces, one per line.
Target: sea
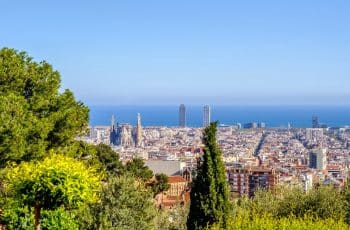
{"x":272,"y":116}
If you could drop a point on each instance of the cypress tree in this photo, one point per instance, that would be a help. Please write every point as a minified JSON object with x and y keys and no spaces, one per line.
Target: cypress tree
{"x":209,"y":194}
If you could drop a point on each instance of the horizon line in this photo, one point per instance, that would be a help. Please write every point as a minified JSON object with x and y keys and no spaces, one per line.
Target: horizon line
{"x":220,"y":105}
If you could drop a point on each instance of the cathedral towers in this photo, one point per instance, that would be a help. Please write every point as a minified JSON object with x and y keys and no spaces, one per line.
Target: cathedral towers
{"x":125,"y":135}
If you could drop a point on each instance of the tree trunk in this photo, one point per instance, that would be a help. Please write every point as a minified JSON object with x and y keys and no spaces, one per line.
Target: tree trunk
{"x":37,"y":211}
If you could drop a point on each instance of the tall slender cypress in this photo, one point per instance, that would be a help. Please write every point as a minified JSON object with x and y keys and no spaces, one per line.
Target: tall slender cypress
{"x":209,"y":194}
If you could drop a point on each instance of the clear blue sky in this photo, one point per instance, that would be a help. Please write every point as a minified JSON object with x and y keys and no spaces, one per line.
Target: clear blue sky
{"x":193,"y":52}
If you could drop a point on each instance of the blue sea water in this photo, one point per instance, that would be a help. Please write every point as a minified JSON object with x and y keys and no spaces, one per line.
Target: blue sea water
{"x":273,"y":116}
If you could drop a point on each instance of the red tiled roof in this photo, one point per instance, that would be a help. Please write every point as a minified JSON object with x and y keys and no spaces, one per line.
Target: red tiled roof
{"x":176,"y":179}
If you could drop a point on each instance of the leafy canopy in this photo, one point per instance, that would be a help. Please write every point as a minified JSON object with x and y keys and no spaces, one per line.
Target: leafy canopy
{"x":56,"y":181}
{"x":138,"y":169}
{"x":35,"y":116}
{"x":125,"y":204}
{"x":160,"y":183}
{"x":109,"y":159}
{"x":100,"y":156}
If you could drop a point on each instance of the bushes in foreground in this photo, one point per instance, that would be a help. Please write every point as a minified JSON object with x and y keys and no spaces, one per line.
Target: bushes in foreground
{"x":290,"y":208}
{"x":287,"y":223}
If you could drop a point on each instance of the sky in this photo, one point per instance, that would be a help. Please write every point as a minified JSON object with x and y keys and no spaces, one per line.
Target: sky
{"x":291,"y":52}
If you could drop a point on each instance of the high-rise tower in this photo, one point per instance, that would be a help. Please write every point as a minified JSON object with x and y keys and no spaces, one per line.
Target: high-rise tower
{"x":138,"y":141}
{"x":113,"y":133}
{"x":206,"y":115}
{"x":182,"y":116}
{"x":315,"y":123}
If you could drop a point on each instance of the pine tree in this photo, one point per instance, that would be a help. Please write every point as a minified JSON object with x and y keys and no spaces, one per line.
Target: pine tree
{"x":209,"y":194}
{"x":35,"y":114}
{"x":346,"y":195}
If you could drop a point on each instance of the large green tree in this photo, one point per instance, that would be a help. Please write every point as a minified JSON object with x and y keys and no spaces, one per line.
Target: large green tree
{"x":57,"y":181}
{"x":125,"y":204}
{"x":160,"y":183}
{"x":100,"y":156}
{"x":209,"y":194}
{"x":35,"y":114}
{"x":138,"y":169}
{"x":109,"y":159}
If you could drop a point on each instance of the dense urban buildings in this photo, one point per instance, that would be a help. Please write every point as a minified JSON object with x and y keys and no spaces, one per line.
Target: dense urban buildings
{"x":182,"y":116}
{"x":246,"y":180}
{"x":255,"y":156}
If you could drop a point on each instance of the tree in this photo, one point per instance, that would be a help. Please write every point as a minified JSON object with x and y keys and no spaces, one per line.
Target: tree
{"x":209,"y":194}
{"x":324,"y":202}
{"x":101,"y":157}
{"x":160,"y":183}
{"x":125,"y":204}
{"x":173,"y":219}
{"x":57,"y":181}
{"x":138,"y":169}
{"x":346,"y":195}
{"x":109,"y":159}
{"x":35,"y":116}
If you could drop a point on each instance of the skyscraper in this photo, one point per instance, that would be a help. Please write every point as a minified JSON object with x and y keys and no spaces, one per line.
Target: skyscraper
{"x":138,"y":138}
{"x":113,"y":132}
{"x":206,"y":115}
{"x":182,"y":116}
{"x":315,"y":123}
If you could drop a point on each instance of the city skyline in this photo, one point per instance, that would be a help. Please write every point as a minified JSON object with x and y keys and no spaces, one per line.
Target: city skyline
{"x":272,"y":116}
{"x":223,"y":53}
{"x":175,"y":114}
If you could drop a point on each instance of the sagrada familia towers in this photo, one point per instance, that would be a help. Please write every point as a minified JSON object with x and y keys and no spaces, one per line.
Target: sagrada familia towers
{"x":125,"y":135}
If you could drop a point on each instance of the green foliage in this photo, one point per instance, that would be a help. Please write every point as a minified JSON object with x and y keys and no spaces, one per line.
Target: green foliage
{"x":290,"y":208}
{"x":109,"y":159}
{"x":59,"y":219}
{"x":15,"y":217}
{"x":209,"y":194}
{"x":125,"y":204}
{"x":173,"y":219}
{"x":35,"y":116}
{"x":262,"y":203}
{"x":269,"y":223}
{"x":23,"y":218}
{"x":160,"y":184}
{"x":346,"y":197}
{"x":323,"y":203}
{"x":138,"y":169}
{"x":101,"y":157}
{"x":57,"y":181}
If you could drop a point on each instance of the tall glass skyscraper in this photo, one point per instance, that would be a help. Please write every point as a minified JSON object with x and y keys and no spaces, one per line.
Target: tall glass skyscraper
{"x":206,"y":115}
{"x":182,"y":116}
{"x":315,"y":123}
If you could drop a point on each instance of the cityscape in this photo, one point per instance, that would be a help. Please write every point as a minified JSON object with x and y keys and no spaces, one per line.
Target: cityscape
{"x":175,"y":115}
{"x":255,"y":156}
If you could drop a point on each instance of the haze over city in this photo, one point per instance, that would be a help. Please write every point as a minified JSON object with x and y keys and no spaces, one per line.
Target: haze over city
{"x":175,"y":115}
{"x":193,"y":52}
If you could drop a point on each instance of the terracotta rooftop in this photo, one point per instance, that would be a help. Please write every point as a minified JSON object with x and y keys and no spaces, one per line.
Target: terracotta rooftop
{"x":333,"y":167}
{"x":176,"y":179}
